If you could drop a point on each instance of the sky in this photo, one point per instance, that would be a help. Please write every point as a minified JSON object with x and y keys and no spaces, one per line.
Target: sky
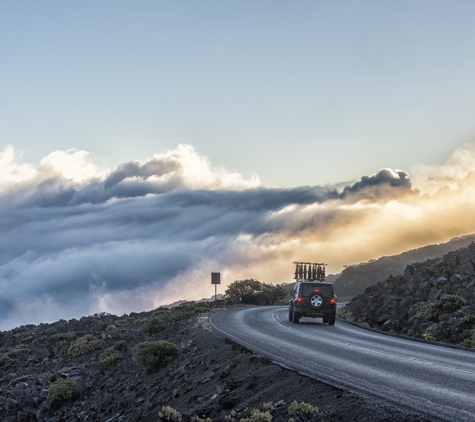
{"x":146,"y":144}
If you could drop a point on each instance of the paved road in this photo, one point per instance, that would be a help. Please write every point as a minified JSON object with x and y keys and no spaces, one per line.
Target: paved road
{"x":431,"y":378}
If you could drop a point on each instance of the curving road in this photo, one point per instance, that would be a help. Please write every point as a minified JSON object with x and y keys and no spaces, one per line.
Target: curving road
{"x":437,"y":380}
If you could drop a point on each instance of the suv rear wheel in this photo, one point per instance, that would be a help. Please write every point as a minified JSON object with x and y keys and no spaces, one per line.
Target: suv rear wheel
{"x":331,"y":320}
{"x":295,"y":317}
{"x":290,"y":314}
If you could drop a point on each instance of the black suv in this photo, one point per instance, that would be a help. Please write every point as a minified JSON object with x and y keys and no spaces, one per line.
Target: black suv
{"x":312,"y":299}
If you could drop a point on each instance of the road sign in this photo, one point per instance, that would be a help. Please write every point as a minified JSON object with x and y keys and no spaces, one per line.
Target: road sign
{"x":215,"y":279}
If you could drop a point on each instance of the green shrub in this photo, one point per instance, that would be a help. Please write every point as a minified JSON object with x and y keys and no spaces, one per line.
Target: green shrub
{"x":271,"y":294}
{"x":50,"y":331}
{"x":155,"y":355}
{"x":450,"y":303}
{"x":121,"y":346}
{"x":391,"y":284}
{"x":27,"y":339}
{"x":183,"y":311}
{"x":413,"y":309}
{"x":467,"y":284}
{"x":429,"y":312}
{"x":430,"y":333}
{"x":446,"y":303}
{"x":303,"y":411}
{"x":6,"y":362}
{"x":198,"y":419}
{"x":84,"y":345}
{"x":154,"y":325}
{"x":61,"y":391}
{"x":169,"y":414}
{"x":257,"y":416}
{"x":201,"y":309}
{"x":22,"y":379}
{"x":440,"y":269}
{"x":470,"y":341}
{"x":109,"y":356}
{"x":468,"y":319}
{"x":63,"y":336}
{"x":254,"y":292}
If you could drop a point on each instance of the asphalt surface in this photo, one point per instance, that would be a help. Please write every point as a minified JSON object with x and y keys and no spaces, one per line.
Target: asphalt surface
{"x":437,"y":380}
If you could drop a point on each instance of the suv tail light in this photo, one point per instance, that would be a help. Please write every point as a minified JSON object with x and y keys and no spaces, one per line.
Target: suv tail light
{"x":299,"y":299}
{"x":332,"y":300}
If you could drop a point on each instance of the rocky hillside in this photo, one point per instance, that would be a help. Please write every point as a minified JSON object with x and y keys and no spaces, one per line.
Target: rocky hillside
{"x":110,"y":368}
{"x":355,"y":279}
{"x":433,"y":300}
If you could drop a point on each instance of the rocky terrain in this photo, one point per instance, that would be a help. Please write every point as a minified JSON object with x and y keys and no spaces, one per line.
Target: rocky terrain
{"x":84,"y":370}
{"x":432,"y":300}
{"x":355,"y":279}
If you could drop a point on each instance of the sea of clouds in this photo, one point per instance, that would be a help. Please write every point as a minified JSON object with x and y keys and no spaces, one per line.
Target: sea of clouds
{"x":77,"y":238}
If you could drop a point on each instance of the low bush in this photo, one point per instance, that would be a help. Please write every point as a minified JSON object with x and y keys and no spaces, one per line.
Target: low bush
{"x":430,"y":333}
{"x":27,"y":339}
{"x":169,"y":414}
{"x":470,"y":341}
{"x":21,"y":379}
{"x":154,"y":325}
{"x":416,"y":307}
{"x":429,"y":312}
{"x":6,"y":362}
{"x":121,"y":346}
{"x":63,"y":336}
{"x":258,"y":416}
{"x":303,"y":411}
{"x":183,"y":311}
{"x":50,"y":331}
{"x":440,"y":269}
{"x":84,"y":345}
{"x":155,"y":355}
{"x":450,"y":303}
{"x":467,"y":284}
{"x":446,"y":303}
{"x":198,"y":419}
{"x":467,"y":320}
{"x":109,"y":356}
{"x":61,"y":391}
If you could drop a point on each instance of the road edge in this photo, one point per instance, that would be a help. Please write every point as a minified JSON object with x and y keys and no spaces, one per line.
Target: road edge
{"x":418,"y":340}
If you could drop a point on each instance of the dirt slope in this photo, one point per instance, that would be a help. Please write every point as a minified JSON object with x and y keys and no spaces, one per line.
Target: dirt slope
{"x":211,"y":377}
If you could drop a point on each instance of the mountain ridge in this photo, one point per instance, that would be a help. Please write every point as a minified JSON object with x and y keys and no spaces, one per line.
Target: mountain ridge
{"x":354,"y":279}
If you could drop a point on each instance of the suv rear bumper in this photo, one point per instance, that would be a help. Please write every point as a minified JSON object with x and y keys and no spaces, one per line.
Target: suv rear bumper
{"x":311,"y":312}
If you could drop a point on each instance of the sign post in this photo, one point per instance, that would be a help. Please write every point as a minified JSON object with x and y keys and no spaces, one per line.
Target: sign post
{"x":215,"y":279}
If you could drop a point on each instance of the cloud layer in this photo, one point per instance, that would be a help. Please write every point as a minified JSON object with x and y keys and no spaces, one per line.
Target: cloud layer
{"x":79,"y":239}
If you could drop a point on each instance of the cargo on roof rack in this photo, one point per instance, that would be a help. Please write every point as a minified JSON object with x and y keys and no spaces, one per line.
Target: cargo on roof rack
{"x":309,"y":271}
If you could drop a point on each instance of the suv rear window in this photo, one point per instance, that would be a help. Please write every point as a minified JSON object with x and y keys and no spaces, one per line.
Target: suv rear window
{"x":308,"y":289}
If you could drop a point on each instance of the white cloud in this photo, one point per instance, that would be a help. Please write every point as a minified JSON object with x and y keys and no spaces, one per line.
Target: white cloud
{"x":12,"y":170}
{"x":430,"y":178}
{"x":196,"y":172}
{"x":73,"y":164}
